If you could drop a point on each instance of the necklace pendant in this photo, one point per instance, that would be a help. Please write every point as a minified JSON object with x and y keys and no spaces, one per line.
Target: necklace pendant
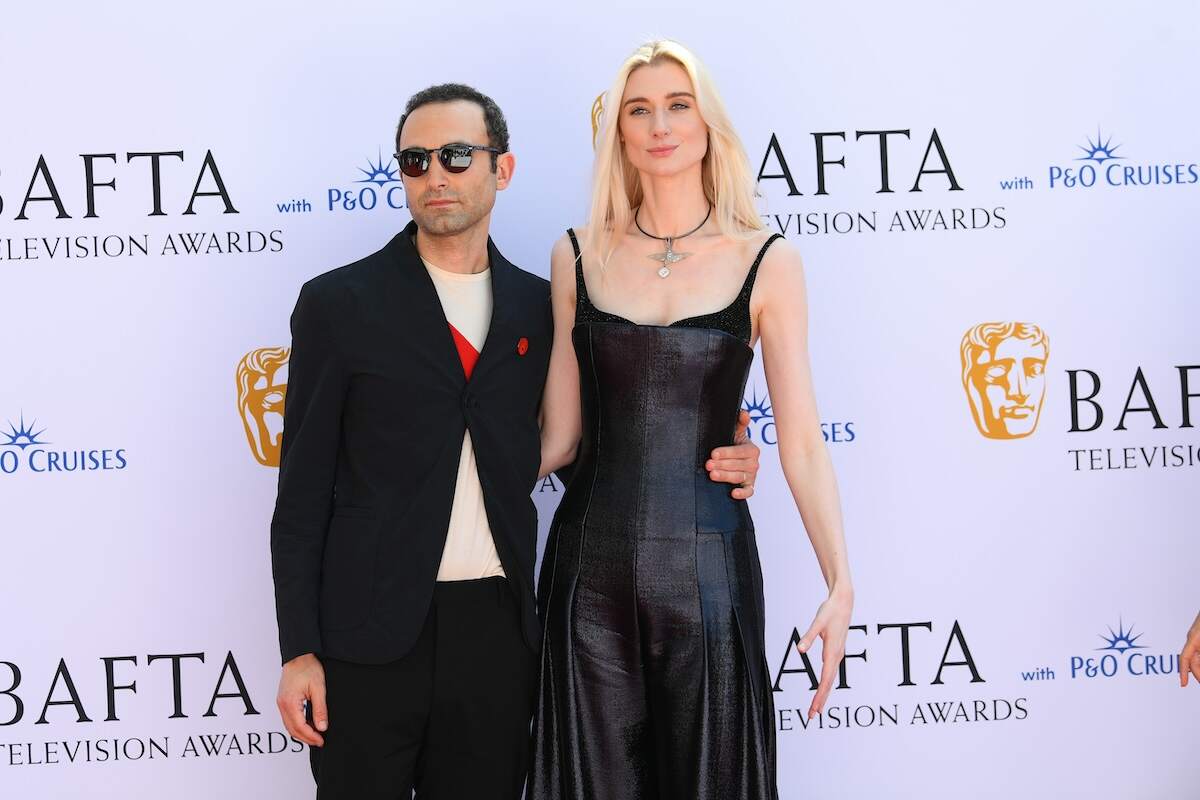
{"x":668,"y":257}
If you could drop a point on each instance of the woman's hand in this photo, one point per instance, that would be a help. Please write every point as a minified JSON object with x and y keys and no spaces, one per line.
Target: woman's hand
{"x":1189,"y":659}
{"x":832,"y":623}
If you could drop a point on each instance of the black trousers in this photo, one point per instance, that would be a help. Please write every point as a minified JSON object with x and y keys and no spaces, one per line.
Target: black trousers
{"x":450,"y":720}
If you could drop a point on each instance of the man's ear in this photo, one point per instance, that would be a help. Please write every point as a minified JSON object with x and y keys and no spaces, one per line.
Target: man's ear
{"x":506,"y":163}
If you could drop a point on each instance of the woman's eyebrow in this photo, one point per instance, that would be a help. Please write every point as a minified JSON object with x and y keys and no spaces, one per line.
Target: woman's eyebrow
{"x":670,"y":96}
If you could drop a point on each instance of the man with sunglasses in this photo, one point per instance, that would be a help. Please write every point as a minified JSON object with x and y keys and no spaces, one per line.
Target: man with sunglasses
{"x":404,"y":535}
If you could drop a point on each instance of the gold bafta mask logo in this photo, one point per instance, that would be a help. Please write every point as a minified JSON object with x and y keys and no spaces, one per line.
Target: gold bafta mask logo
{"x":597,"y":113}
{"x":1004,"y":376}
{"x":262,"y":384}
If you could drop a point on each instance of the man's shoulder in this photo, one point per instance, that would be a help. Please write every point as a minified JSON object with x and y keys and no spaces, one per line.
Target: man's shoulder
{"x":349,"y":278}
{"x":532,"y":295}
{"x":530,"y":282}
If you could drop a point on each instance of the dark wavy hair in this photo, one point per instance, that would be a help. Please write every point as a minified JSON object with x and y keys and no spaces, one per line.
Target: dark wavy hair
{"x":493,"y":117}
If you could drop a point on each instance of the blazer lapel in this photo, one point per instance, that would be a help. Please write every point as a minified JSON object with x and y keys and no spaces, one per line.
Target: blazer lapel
{"x":504,"y":309}
{"x":417,"y":300}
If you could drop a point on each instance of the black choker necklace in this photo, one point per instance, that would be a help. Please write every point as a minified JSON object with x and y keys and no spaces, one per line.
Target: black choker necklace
{"x":669,"y":256}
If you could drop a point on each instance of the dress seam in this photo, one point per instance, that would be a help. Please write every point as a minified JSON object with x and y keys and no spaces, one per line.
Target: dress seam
{"x":577,"y":765}
{"x":637,"y":514}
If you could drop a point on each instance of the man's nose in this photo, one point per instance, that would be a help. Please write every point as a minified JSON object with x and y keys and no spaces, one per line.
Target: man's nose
{"x":437,"y":176}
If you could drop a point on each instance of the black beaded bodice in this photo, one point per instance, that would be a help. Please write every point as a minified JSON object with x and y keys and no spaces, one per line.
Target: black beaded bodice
{"x":734,"y":319}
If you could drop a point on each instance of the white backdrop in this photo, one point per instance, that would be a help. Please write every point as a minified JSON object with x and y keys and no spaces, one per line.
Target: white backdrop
{"x":1045,"y":583}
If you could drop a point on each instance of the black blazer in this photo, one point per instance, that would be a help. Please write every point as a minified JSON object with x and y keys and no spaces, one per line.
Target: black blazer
{"x":374,"y":416}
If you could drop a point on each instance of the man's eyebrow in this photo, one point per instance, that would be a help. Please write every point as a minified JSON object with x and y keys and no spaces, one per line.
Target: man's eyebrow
{"x":669,"y":97}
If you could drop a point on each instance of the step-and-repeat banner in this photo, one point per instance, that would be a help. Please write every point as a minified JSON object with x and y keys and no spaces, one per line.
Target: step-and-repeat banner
{"x":997,"y":209}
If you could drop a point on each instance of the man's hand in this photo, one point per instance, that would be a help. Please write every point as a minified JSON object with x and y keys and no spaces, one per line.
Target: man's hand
{"x":303,"y":679}
{"x":737,"y":464}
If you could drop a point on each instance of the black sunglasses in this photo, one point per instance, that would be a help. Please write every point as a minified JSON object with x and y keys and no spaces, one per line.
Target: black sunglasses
{"x":414,"y":161}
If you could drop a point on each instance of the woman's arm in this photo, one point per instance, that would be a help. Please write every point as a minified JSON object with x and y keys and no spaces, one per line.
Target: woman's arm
{"x":561,"y":419}
{"x":783,"y":325}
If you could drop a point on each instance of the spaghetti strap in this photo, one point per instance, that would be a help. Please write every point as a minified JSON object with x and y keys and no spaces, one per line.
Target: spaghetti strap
{"x":748,"y":285}
{"x":574,"y":242}
{"x":581,"y":293}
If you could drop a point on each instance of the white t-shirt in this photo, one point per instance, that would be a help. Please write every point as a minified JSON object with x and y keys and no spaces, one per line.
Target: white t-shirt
{"x":470,"y":550}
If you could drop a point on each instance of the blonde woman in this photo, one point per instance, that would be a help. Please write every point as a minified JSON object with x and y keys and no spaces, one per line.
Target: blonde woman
{"x":654,"y":682}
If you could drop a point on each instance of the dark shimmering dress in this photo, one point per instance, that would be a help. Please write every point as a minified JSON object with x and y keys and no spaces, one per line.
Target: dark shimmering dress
{"x":654,"y":683}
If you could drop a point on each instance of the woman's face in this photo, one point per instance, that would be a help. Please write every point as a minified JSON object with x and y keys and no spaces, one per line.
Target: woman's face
{"x":662,"y":130}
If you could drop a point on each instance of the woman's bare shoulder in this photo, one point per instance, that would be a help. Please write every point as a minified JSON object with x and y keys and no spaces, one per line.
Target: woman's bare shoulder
{"x":782,"y":255}
{"x":564,"y":248}
{"x":781,"y":271}
{"x":562,"y":263}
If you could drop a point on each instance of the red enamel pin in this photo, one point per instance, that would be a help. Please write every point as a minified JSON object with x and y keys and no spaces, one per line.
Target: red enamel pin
{"x":522,"y":346}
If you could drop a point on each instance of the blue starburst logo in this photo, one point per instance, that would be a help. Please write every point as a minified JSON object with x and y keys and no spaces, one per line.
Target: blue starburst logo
{"x":22,"y":435}
{"x":378,"y":173}
{"x":759,"y":409}
{"x":1099,"y":149}
{"x":1121,"y":639}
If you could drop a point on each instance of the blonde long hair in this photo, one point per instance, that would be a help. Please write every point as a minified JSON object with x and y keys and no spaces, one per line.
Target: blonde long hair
{"x":725,"y":171}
